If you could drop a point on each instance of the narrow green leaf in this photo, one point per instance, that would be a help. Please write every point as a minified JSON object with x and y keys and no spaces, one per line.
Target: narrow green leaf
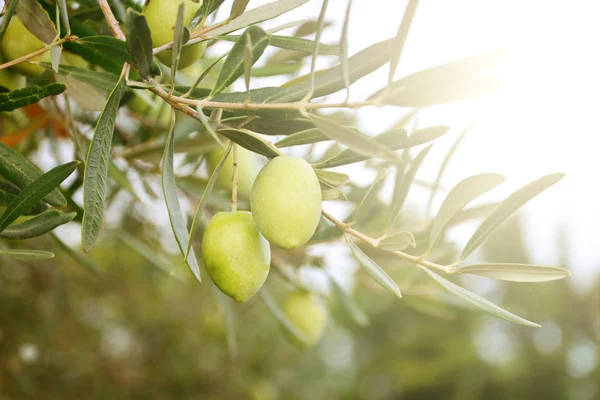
{"x":224,"y":304}
{"x":36,"y":20}
{"x":472,"y":213}
{"x":378,"y":274}
{"x":515,"y":272}
{"x":35,"y":191}
{"x":356,"y":141}
{"x":55,"y":53}
{"x":8,"y":191}
{"x":307,"y":136}
{"x":398,"y":241}
{"x":204,"y":199}
{"x":315,"y":52}
{"x":344,"y":50}
{"x":332,"y":194}
{"x":96,"y":168}
{"x":208,"y":6}
{"x":81,"y":258}
{"x":390,"y":139}
{"x":38,"y":225}
{"x":233,"y":67}
{"x":423,"y":136}
{"x":173,"y":206}
{"x":18,"y":170}
{"x":248,"y":64}
{"x":64,"y":16}
{"x":27,"y":255}
{"x":10,"y":10}
{"x":208,"y":126}
{"x":29,"y":95}
{"x":479,"y":301}
{"x":401,"y":36}
{"x":258,"y":14}
{"x":177,"y":41}
{"x":462,"y":194}
{"x":148,"y":253}
{"x":292,"y":43}
{"x":404,"y":183}
{"x":280,"y":316}
{"x":251,"y":141}
{"x":355,"y":313}
{"x":237,"y":8}
{"x":102,"y":80}
{"x":511,"y":204}
{"x":121,"y":179}
{"x":381,"y":175}
{"x":459,"y":80}
{"x":139,"y":42}
{"x":332,"y":179}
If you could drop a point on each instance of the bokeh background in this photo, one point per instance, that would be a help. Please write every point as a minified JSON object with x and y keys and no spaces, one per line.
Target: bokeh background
{"x":141,"y":332}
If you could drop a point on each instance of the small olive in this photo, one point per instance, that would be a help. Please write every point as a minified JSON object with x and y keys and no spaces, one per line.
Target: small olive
{"x":247,"y":169}
{"x":305,"y":311}
{"x":17,"y":42}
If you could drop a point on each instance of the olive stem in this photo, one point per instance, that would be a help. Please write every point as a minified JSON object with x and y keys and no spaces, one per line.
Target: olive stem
{"x":38,"y":52}
{"x":234,"y":179}
{"x":111,"y":20}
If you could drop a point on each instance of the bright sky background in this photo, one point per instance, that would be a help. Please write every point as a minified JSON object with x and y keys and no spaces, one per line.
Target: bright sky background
{"x":546,"y":122}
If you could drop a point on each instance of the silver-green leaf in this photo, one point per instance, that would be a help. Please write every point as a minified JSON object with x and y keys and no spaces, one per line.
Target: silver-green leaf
{"x":139,"y":42}
{"x":515,"y":272}
{"x":27,"y":255}
{"x":37,"y":225}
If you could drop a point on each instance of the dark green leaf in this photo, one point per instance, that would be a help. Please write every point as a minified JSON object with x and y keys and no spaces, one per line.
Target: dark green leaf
{"x":102,"y":80}
{"x":139,"y":42}
{"x":8,"y":191}
{"x":10,"y":10}
{"x":35,"y":191}
{"x":378,"y":274}
{"x":292,"y":43}
{"x":173,"y":206}
{"x":515,"y":272}
{"x":511,"y":204}
{"x":237,"y":8}
{"x":96,"y":168}
{"x":27,"y":255}
{"x":29,"y":95}
{"x":479,"y":301}
{"x":233,"y":67}
{"x":38,"y":225}
{"x":251,"y":141}
{"x":36,"y":20}
{"x":18,"y":170}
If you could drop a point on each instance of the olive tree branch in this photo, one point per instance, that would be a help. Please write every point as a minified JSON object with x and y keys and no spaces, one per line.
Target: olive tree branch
{"x":33,"y":54}
{"x":111,"y":20}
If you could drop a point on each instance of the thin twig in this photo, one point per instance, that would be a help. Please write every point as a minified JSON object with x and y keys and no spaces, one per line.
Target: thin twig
{"x":44,"y":49}
{"x":111,"y":20}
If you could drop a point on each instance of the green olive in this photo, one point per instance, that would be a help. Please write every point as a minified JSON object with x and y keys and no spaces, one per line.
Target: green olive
{"x":247,"y":168}
{"x":158,"y":110}
{"x":10,"y":81}
{"x":236,"y":255}
{"x":161,"y":16}
{"x":286,"y":202}
{"x":75,"y":60}
{"x":18,"y":42}
{"x":307,"y":313}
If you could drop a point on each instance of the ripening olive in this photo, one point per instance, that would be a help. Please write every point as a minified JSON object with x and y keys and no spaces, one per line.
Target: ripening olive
{"x":247,"y":169}
{"x":305,"y":311}
{"x":286,"y":202}
{"x":161,"y":16}
{"x":236,"y":255}
{"x":18,"y":42}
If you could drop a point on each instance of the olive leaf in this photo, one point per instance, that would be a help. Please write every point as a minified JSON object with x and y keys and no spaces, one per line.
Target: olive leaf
{"x":292,"y":43}
{"x":353,"y":311}
{"x":381,"y":175}
{"x":64,"y":16}
{"x":332,"y":179}
{"x":462,"y":194}
{"x":376,"y":272}
{"x":280,"y":316}
{"x":148,"y":253}
{"x":35,"y":191}
{"x":401,"y":36}
{"x":178,"y":40}
{"x":345,"y":69}
{"x":307,"y":136}
{"x":29,"y":95}
{"x":176,"y":216}
{"x":511,"y":204}
{"x":96,"y":168}
{"x":8,"y":191}
{"x":237,"y":8}
{"x":515,"y":272}
{"x":37,"y":225}
{"x":27,"y":255}
{"x":233,"y":67}
{"x":398,"y":241}
{"x":81,"y":258}
{"x":36,"y":20}
{"x":8,"y":14}
{"x":102,"y":80}
{"x":251,"y":141}
{"x":17,"y":169}
{"x":139,"y":42}
{"x":479,"y":301}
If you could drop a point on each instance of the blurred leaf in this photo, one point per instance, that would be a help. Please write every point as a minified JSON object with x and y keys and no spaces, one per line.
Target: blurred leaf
{"x":258,"y":14}
{"x":378,"y":274}
{"x":64,"y":15}
{"x":479,"y":301}
{"x":332,"y":194}
{"x":471,"y":213}
{"x":355,"y":313}
{"x":36,"y":20}
{"x":292,"y":43}
{"x":96,"y":168}
{"x":209,"y":128}
{"x":204,"y":199}
{"x":280,"y":316}
{"x":27,"y":255}
{"x":401,"y":36}
{"x":233,"y":67}
{"x":8,"y":14}
{"x":29,"y":95}
{"x":139,"y":42}
{"x":17,"y":169}
{"x":332,"y":179}
{"x":390,"y":139}
{"x":398,"y":241}
{"x":37,"y":225}
{"x":462,"y":194}
{"x":275,"y":70}
{"x":381,"y":175}
{"x":511,"y":204}
{"x":35,"y":191}
{"x":176,"y":216}
{"x":307,"y":136}
{"x":55,"y":53}
{"x":459,"y":80}
{"x":424,"y":135}
{"x":81,"y":258}
{"x":515,"y":272}
{"x":8,"y":191}
{"x":178,"y":41}
{"x":356,"y":141}
{"x":404,"y":183}
{"x":345,"y":69}
{"x":251,"y":141}
{"x":121,"y":179}
{"x":208,"y":6}
{"x":237,"y":8}
{"x":148,"y":253}
{"x":102,"y":80}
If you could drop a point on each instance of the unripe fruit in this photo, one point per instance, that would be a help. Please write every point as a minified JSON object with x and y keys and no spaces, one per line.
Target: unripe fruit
{"x":75,"y":60}
{"x":286,"y":202}
{"x":18,"y":42}
{"x":161,"y":16}
{"x":236,"y":255}
{"x":247,"y":169}
{"x":305,"y":311}
{"x":10,"y":81}
{"x":158,"y":110}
